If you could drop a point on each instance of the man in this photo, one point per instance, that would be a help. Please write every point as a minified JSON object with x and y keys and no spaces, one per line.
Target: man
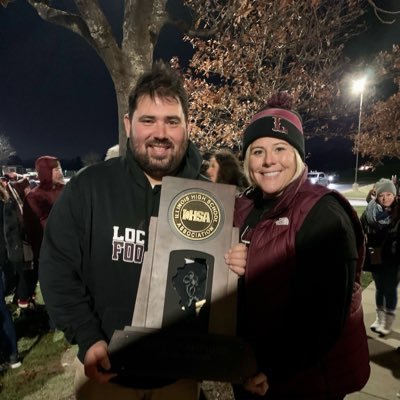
{"x":36,"y":208}
{"x":88,"y":280}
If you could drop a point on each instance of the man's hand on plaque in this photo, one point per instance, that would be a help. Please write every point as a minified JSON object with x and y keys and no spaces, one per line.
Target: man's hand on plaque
{"x":236,"y":258}
{"x":97,"y":363}
{"x":257,"y":384}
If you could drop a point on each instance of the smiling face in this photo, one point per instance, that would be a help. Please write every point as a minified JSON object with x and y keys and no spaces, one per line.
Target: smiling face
{"x":386,"y":199}
{"x":158,"y":135}
{"x":271,"y":164}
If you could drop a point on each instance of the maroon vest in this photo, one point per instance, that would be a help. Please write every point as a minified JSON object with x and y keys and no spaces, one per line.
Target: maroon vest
{"x":272,"y":260}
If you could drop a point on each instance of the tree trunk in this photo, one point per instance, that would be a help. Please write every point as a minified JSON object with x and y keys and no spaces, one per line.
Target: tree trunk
{"x":124,"y":82}
{"x":142,"y":23}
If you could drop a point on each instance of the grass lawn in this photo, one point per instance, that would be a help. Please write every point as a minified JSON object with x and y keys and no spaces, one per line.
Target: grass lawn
{"x":47,"y":372}
{"x":361,"y":193}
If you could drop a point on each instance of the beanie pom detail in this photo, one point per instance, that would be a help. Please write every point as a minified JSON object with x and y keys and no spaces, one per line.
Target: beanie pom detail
{"x":276,"y":120}
{"x":280,"y":100}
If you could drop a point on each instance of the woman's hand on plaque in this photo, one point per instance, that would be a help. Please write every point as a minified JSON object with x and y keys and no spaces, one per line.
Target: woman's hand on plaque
{"x":236,"y":258}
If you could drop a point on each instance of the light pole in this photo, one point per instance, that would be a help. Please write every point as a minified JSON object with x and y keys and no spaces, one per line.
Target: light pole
{"x":358,"y":87}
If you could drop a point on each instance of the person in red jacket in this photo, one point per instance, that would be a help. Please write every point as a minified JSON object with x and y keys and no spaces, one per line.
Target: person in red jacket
{"x":300,"y":307}
{"x":36,"y":209}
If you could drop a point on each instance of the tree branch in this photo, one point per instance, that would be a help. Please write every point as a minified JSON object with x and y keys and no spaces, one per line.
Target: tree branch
{"x":158,"y":20}
{"x":100,"y":29}
{"x":4,"y":3}
{"x":62,"y":18}
{"x":91,"y":24}
{"x":218,"y":22}
{"x":188,"y":29}
{"x":378,"y":10}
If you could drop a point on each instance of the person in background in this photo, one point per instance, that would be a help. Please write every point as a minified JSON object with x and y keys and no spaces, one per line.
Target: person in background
{"x":371,"y":195}
{"x":396,"y":184}
{"x":112,"y":152}
{"x":305,"y":250}
{"x":381,"y":224}
{"x":37,"y":206}
{"x":18,"y":250}
{"x":89,"y":288}
{"x":9,"y":357}
{"x":224,"y":167}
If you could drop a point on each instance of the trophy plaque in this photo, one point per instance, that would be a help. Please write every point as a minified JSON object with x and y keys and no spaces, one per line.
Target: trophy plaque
{"x":184,"y":321}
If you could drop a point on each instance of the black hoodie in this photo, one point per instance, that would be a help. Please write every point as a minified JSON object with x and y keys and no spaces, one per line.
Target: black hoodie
{"x":88,"y":277}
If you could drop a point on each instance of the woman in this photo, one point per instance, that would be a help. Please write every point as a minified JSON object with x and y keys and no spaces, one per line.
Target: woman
{"x":19,"y":252}
{"x":381,"y":221}
{"x":224,"y":167}
{"x":305,"y":248}
{"x":36,"y":209}
{"x":9,"y":357}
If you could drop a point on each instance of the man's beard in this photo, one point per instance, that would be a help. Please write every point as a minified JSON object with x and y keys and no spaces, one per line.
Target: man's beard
{"x":158,"y":168}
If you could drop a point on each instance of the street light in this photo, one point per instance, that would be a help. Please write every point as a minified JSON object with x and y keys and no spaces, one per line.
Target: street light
{"x":358,"y":88}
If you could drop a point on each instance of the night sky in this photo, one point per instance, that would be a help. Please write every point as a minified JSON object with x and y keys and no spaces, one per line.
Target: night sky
{"x":56,"y":96}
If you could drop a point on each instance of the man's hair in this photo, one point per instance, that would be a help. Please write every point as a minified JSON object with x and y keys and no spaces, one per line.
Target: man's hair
{"x":161,"y":81}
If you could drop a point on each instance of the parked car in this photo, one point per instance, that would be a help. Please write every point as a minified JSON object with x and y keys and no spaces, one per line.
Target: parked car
{"x":317,"y":177}
{"x":332,"y":176}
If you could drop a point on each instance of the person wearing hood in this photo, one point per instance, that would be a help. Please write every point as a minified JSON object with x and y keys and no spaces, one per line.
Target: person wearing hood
{"x":89,"y":277}
{"x":36,"y":209}
{"x":305,"y":249}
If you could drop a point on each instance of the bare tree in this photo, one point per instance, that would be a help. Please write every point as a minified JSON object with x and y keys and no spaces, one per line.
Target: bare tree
{"x":251,"y":47}
{"x":383,"y":14}
{"x":125,"y":61}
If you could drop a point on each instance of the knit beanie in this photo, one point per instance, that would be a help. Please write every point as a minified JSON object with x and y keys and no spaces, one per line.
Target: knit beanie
{"x":385,"y":185}
{"x":274,"y":121}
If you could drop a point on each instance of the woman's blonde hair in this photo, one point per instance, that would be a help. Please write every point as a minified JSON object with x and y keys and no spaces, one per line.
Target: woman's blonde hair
{"x":300,"y":166}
